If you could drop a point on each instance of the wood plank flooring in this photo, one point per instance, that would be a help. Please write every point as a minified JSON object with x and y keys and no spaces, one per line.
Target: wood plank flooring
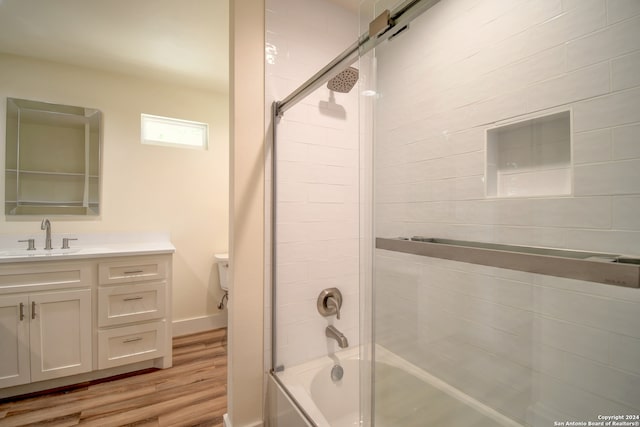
{"x":191,"y":393}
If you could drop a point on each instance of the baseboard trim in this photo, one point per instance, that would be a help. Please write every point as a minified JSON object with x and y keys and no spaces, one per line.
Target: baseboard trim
{"x":226,"y":422}
{"x":199,"y":324}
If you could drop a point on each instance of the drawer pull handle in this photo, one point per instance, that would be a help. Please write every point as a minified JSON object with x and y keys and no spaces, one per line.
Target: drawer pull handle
{"x":128,"y":340}
{"x":21,"y":311}
{"x":33,"y":309}
{"x":131,"y":299}
{"x":134,"y":272}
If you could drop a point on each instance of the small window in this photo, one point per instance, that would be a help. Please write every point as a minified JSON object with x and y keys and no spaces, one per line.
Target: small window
{"x":158,"y":130}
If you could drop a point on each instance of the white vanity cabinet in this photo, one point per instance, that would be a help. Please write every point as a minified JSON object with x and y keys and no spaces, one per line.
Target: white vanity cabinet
{"x":59,"y":333}
{"x":44,"y":334}
{"x":132,"y":296}
{"x":80,"y":318}
{"x":14,"y":336}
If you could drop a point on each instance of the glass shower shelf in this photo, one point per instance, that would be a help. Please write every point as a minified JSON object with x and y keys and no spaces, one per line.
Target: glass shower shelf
{"x":610,"y":269}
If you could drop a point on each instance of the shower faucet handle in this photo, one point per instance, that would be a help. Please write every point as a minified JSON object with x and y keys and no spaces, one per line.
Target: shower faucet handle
{"x":332,"y":305}
{"x":330,"y":302}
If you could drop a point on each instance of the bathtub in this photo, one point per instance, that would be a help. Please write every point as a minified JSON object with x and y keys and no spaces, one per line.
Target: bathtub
{"x":405,"y":394}
{"x":327,"y":403}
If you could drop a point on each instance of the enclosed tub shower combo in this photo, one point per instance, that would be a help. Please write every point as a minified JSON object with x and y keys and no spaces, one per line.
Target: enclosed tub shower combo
{"x":455,"y":224}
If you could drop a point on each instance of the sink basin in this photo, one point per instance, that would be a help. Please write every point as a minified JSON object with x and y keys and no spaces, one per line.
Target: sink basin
{"x":37,"y":252}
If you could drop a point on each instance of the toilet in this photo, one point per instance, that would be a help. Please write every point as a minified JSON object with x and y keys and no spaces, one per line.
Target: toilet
{"x":223,"y":274}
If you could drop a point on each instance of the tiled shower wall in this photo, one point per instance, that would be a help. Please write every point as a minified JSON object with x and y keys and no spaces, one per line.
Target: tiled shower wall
{"x":317,"y":187}
{"x":534,"y":347}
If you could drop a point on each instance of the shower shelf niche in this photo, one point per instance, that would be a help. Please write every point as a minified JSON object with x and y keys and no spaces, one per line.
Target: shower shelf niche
{"x":530,"y":158}
{"x":604,"y":268}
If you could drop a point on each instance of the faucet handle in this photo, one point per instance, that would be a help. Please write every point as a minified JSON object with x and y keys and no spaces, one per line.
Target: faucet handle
{"x":65,"y":242}
{"x":329,"y":302}
{"x":333,"y":305}
{"x":31,"y":243}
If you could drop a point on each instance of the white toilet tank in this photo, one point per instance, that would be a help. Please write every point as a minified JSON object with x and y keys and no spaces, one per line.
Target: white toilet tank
{"x":223,"y":270}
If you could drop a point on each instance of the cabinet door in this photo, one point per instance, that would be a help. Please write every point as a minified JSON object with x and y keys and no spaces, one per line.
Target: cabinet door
{"x":60,"y":334}
{"x":14,"y":340}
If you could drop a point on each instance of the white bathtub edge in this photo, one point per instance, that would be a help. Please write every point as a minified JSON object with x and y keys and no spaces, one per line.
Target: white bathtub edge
{"x":393,"y":359}
{"x":297,"y":380}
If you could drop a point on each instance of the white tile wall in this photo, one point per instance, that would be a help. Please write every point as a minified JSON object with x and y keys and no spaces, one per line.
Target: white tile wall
{"x":619,"y":10}
{"x":625,"y":142}
{"x":612,"y":41}
{"x":591,"y":147}
{"x":318,"y":178}
{"x":618,"y":108}
{"x":537,"y":348}
{"x":496,"y":338}
{"x":621,"y":177}
{"x":584,"y":83}
{"x":625,"y":211}
{"x":625,"y":71}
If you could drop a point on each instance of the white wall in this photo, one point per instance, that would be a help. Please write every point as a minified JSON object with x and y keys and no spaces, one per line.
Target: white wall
{"x":246,"y":369}
{"x":317,"y":178}
{"x":534,"y":347}
{"x":144,"y":188}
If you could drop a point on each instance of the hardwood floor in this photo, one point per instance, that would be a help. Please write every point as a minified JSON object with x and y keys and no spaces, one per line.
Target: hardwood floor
{"x":191,"y":393}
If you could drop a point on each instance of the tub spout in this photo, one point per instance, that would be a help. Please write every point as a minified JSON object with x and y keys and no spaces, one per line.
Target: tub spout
{"x":332,"y":332}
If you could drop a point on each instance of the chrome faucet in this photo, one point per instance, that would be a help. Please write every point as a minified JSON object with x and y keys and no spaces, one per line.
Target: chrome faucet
{"x":332,"y":332}
{"x":46,"y":226}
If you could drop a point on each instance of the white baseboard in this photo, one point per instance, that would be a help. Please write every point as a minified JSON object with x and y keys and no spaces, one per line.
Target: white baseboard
{"x":199,"y":324}
{"x":226,"y":422}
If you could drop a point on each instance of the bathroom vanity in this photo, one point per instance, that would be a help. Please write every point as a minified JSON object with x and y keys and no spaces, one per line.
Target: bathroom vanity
{"x":82,"y":314}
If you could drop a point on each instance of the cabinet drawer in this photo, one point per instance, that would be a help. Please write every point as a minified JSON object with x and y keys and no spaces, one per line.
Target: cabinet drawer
{"x":130,"y":344}
{"x":130,"y":303}
{"x":41,"y":276}
{"x":134,"y":270}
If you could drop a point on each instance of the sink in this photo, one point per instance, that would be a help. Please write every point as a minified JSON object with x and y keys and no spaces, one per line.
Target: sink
{"x":37,"y":252}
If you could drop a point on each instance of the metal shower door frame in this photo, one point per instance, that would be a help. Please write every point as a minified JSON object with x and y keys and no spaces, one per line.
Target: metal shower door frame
{"x":385,"y":26}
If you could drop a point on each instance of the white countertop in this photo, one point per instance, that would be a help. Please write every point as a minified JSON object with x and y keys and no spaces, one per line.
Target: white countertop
{"x":88,"y":245}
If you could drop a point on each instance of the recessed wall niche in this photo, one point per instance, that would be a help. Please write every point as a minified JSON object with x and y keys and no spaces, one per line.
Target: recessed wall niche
{"x":530,"y":158}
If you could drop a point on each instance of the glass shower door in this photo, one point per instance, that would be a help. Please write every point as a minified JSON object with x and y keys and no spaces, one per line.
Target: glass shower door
{"x":506,"y":207}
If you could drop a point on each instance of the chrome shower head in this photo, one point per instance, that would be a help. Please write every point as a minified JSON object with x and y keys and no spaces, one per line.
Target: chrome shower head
{"x":345,"y":81}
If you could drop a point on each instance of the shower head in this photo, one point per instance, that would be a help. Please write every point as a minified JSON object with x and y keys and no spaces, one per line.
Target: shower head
{"x":345,"y":81}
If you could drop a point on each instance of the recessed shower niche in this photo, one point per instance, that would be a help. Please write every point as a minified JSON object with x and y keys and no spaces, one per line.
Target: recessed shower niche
{"x":530,"y":158}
